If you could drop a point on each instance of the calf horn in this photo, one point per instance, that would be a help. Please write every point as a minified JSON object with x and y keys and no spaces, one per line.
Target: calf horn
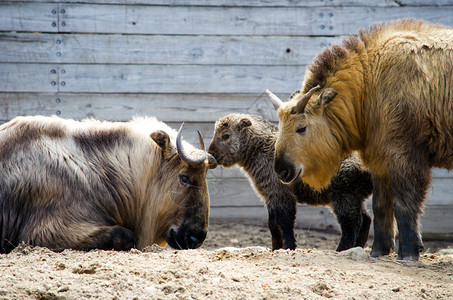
{"x":212,"y":163}
{"x":189,"y":157}
{"x":274,"y":99}
{"x":300,"y":106}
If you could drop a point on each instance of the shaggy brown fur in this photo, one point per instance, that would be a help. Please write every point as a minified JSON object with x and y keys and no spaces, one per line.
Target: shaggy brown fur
{"x":91,"y":184}
{"x":248,"y":141}
{"x":388,"y":94}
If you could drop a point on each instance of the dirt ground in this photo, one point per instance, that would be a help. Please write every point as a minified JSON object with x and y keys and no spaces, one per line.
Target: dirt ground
{"x":247,"y":269}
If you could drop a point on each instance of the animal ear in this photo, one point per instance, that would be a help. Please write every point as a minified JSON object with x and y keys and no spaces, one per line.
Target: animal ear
{"x":161,"y":138}
{"x":212,"y":162}
{"x":327,"y":95}
{"x":244,"y":122}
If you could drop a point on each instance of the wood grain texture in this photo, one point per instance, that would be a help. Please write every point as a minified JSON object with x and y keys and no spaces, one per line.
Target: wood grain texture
{"x":122,"y":107}
{"x":259,"y":3}
{"x":29,"y":77}
{"x":183,"y":79}
{"x":32,"y":17}
{"x":238,"y":20}
{"x":160,"y":49}
{"x":435,"y":221}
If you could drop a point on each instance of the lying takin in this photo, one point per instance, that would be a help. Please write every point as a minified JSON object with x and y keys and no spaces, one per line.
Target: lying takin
{"x":388,"y":94}
{"x":106,"y":185}
{"x":248,"y":141}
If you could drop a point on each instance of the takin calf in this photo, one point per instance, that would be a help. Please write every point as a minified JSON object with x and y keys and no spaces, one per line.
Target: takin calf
{"x":387,"y":93}
{"x":91,"y":184}
{"x":248,"y":141}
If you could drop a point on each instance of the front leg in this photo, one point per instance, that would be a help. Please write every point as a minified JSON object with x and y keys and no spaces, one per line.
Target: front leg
{"x":276,"y":234}
{"x":108,"y":238}
{"x":384,"y":232}
{"x":282,"y":215}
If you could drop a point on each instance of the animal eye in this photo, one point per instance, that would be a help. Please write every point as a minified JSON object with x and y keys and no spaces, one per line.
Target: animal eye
{"x":225,"y":137}
{"x":301,"y":130}
{"x":185,"y":180}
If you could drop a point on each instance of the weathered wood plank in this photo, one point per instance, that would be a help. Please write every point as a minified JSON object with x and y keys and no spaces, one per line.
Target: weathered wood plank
{"x":122,"y":107}
{"x":441,"y":191}
{"x":185,"y":79}
{"x":268,"y":3}
{"x":425,"y":2}
{"x":29,"y":17}
{"x":316,"y":218}
{"x":232,"y":192}
{"x":208,"y":20}
{"x":237,"y":192}
{"x":238,"y":20}
{"x":36,"y":78}
{"x":160,"y":49}
{"x":435,"y":221}
{"x":440,"y":173}
{"x":440,"y":187}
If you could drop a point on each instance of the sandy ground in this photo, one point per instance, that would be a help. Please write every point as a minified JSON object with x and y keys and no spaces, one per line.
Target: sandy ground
{"x":313,"y":271}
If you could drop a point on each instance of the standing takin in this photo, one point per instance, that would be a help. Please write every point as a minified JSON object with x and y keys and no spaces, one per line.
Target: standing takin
{"x":388,"y":94}
{"x":91,"y":184}
{"x":248,"y":141}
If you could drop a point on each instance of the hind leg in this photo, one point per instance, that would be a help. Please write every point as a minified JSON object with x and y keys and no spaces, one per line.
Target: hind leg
{"x":108,"y":238}
{"x":362,"y":238}
{"x":350,"y":220}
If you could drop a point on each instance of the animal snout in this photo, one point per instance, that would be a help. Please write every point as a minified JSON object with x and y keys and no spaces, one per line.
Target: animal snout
{"x":192,"y":241}
{"x":185,"y":238}
{"x":285,"y":170}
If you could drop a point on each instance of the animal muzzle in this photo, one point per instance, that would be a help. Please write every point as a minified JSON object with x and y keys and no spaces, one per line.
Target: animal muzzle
{"x":285,"y":170}
{"x":185,"y":237}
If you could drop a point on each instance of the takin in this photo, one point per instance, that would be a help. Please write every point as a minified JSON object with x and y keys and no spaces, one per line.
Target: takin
{"x":248,"y":141}
{"x":105,"y":185}
{"x":386,"y":93}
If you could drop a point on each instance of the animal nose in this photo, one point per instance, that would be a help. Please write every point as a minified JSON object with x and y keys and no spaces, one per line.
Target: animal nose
{"x":283,"y":175}
{"x":192,"y":241}
{"x":184,"y":238}
{"x":284,"y":170}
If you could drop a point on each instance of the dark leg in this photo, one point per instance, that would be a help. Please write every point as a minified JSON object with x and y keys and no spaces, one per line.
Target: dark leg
{"x":109,"y":238}
{"x":286,"y":223}
{"x":277,"y":242}
{"x":409,"y":196}
{"x":350,"y":219}
{"x":364,"y":229}
{"x":283,"y":212}
{"x":383,"y":218}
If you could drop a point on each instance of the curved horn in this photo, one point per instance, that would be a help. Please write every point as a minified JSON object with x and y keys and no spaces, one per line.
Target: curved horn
{"x":183,"y":153}
{"x":300,"y":106}
{"x":274,"y":99}
{"x":212,"y":162}
{"x":200,"y":138}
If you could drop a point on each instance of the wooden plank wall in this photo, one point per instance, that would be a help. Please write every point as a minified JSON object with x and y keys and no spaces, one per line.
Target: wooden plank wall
{"x":192,"y":61}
